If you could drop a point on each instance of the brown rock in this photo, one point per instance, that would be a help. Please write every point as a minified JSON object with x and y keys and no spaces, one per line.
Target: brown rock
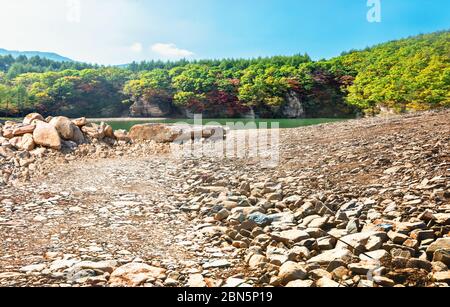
{"x":135,"y":274}
{"x":30,"y":118}
{"x":442,"y":277}
{"x":440,"y":244}
{"x":155,"y":132}
{"x":109,"y":132}
{"x":21,"y":130}
{"x":290,"y":271}
{"x":25,"y":142}
{"x":443,"y":256}
{"x":64,"y":126}
{"x":122,"y":135}
{"x":80,"y":122}
{"x":46,"y":135}
{"x":94,"y":131}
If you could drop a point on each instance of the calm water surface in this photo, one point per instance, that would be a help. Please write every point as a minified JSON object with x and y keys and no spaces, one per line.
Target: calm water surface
{"x":238,"y":124}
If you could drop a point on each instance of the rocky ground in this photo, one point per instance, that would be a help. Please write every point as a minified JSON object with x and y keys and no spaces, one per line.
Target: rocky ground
{"x":359,"y":203}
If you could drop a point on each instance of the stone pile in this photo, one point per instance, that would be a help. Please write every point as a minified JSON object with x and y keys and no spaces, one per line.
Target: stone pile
{"x":24,"y":145}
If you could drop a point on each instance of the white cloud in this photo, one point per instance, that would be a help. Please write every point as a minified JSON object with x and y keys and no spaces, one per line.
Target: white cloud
{"x":171,"y":51}
{"x":137,"y":47}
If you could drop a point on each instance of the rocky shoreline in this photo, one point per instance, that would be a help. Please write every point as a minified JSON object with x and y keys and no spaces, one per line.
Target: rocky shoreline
{"x":363,"y":203}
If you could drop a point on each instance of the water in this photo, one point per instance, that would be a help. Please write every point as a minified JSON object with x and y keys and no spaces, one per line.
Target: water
{"x":245,"y":123}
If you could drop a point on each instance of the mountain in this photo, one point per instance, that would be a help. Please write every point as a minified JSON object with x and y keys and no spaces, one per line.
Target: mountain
{"x":47,"y":55}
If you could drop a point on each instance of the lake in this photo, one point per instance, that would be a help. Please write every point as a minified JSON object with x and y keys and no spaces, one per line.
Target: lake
{"x":237,"y":124}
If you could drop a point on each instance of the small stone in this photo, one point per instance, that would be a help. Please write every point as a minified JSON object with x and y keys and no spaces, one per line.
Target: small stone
{"x":440,"y":244}
{"x":319,"y":273}
{"x":442,"y":277}
{"x":397,"y":238}
{"x":383,"y":281}
{"x":328,"y":256}
{"x":290,"y":271}
{"x":443,"y":256}
{"x":33,"y":268}
{"x":293,"y":235}
{"x":256,"y":261}
{"x":300,"y":284}
{"x":362,"y":268}
{"x":135,"y":274}
{"x":260,"y":219}
{"x":196,"y":281}
{"x":217,"y":264}
{"x":222,"y":215}
{"x":326,"y":282}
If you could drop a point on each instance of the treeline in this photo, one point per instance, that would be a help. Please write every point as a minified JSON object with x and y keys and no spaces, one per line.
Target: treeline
{"x":405,"y":75}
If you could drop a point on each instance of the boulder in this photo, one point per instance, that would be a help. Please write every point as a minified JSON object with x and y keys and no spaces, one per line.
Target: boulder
{"x":155,"y":132}
{"x":109,"y":132}
{"x":24,"y":142}
{"x":78,"y":136}
{"x":30,"y":118}
{"x":80,"y":122}
{"x":94,"y":131}
{"x":161,"y":133}
{"x":47,"y":136}
{"x":64,"y":126}
{"x":23,"y":129}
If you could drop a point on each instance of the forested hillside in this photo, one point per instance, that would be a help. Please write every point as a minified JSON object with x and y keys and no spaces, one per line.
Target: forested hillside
{"x":405,"y":75}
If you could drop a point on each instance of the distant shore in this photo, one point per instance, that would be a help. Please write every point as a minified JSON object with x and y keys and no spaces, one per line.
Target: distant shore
{"x":122,"y":119}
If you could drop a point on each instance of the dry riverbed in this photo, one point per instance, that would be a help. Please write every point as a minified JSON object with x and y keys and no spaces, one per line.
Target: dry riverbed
{"x":357,"y":203}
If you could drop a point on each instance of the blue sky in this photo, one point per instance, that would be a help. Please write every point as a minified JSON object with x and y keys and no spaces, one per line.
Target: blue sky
{"x":119,"y":31}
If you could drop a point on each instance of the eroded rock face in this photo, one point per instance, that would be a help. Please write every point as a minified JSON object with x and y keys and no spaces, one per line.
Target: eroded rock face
{"x":144,"y":108}
{"x":46,"y":135}
{"x":293,"y":108}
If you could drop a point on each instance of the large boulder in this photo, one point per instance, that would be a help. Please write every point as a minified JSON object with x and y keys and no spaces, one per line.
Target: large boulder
{"x":67,"y":129}
{"x":64,"y":126}
{"x":155,"y":132}
{"x":46,"y":135}
{"x":31,"y":118}
{"x":161,"y":133}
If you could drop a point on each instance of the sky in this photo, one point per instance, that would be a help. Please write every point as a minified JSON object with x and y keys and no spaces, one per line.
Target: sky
{"x":120,"y":31}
